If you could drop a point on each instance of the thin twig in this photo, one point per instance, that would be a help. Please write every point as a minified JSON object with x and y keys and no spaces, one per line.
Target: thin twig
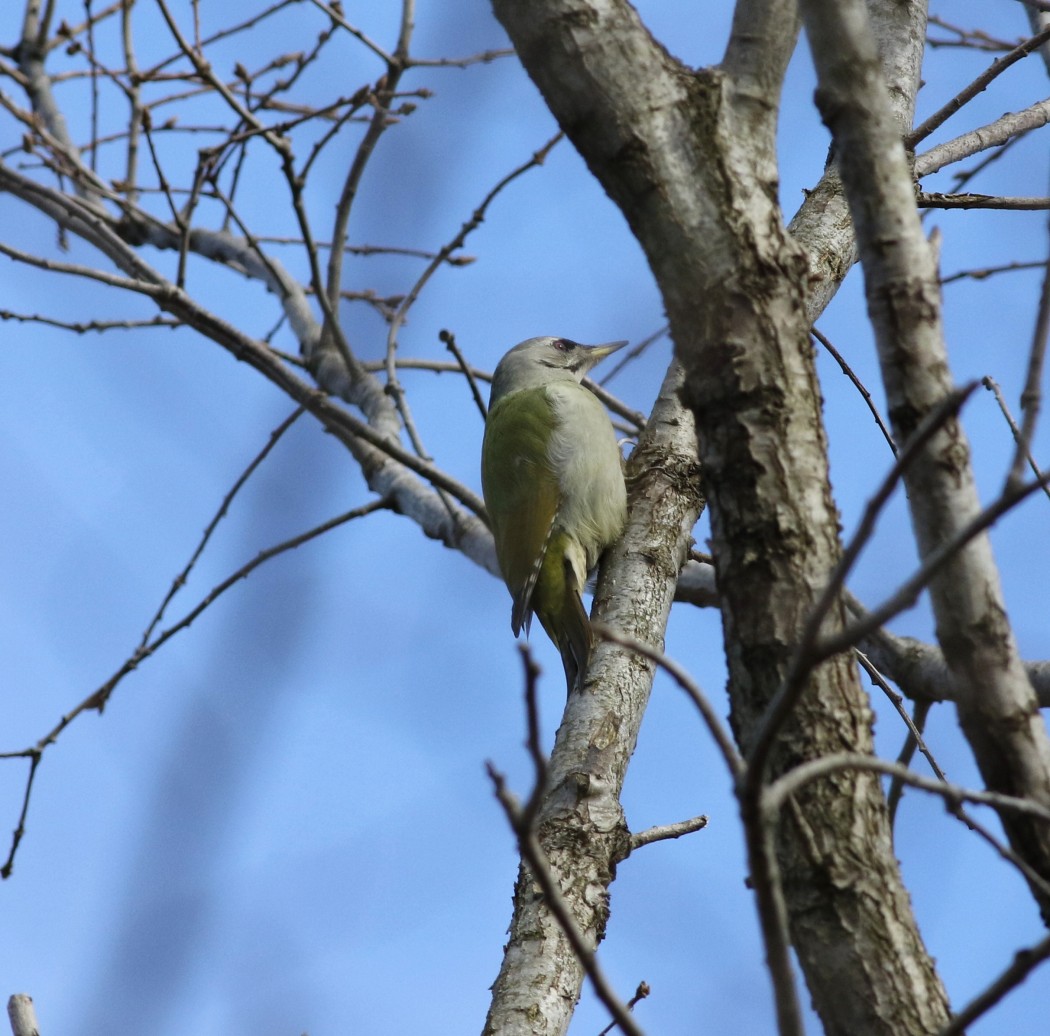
{"x":989,"y":271}
{"x":993,"y":386}
{"x":734,"y":762}
{"x":781,"y":791}
{"x":34,"y":755}
{"x":450,"y":343}
{"x":760,"y":823}
{"x":917,"y":722}
{"x":640,"y":993}
{"x":1025,"y":961}
{"x":857,"y":383}
{"x":392,"y":384}
{"x":85,"y":326}
{"x":96,"y":701}
{"x":1032,"y":393}
{"x":180,"y":580}
{"x":532,"y":739}
{"x":913,"y":741}
{"x":791,"y":783}
{"x":633,"y":353}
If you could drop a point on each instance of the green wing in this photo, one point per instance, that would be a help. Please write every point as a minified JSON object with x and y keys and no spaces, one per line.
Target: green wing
{"x":521,"y":492}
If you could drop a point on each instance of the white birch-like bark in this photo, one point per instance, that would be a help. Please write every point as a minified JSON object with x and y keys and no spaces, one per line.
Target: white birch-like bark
{"x":997,"y":707}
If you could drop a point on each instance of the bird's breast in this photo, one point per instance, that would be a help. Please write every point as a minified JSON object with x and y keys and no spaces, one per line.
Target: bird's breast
{"x":586,"y":460}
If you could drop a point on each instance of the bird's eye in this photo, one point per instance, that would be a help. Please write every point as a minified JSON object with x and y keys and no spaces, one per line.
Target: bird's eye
{"x":564,"y":345}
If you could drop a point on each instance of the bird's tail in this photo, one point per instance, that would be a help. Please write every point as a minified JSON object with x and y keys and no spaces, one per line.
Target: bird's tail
{"x":560,"y":611}
{"x":575,"y":646}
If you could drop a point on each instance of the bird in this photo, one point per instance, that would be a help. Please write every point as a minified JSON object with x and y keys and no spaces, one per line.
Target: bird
{"x":553,"y":482}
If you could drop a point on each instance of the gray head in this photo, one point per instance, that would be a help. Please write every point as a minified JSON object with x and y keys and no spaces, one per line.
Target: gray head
{"x":539,"y":361}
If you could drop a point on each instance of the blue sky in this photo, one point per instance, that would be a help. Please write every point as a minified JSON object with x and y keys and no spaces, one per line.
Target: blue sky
{"x":281,"y":823}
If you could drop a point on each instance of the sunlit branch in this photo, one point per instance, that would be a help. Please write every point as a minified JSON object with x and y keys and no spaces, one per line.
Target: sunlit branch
{"x":974,"y":142}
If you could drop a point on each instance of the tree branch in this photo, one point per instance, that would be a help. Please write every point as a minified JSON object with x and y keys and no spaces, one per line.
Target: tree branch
{"x":997,"y":708}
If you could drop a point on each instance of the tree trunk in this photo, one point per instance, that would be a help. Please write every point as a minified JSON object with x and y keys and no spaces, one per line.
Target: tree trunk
{"x":689,"y":158}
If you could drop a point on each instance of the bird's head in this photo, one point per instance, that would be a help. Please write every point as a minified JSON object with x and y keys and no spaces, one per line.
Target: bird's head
{"x":540,"y":361}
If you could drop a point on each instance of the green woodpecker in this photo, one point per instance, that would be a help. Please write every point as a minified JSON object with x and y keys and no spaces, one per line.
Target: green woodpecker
{"x":553,"y":482}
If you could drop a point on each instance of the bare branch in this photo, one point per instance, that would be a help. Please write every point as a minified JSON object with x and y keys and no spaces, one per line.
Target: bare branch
{"x":1032,"y":394}
{"x":996,"y":705}
{"x":96,"y":701}
{"x":993,"y":135}
{"x":968,"y":93}
{"x":783,"y":788}
{"x":393,"y":384}
{"x":181,"y":579}
{"x":719,"y":734}
{"x":1024,"y":963}
{"x":928,"y":200}
{"x":450,"y":343}
{"x":34,"y":755}
{"x":639,"y":994}
{"x":990,"y":271}
{"x":1023,"y":448}
{"x":861,"y":388}
{"x":84,"y":326}
{"x":663,"y":832}
{"x":540,"y":871}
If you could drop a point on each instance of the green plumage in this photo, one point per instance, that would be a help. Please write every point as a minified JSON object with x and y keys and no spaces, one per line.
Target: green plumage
{"x":553,"y":484}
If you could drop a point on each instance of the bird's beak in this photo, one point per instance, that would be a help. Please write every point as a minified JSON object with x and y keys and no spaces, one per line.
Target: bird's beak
{"x":595,"y":353}
{"x":599,"y":352}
